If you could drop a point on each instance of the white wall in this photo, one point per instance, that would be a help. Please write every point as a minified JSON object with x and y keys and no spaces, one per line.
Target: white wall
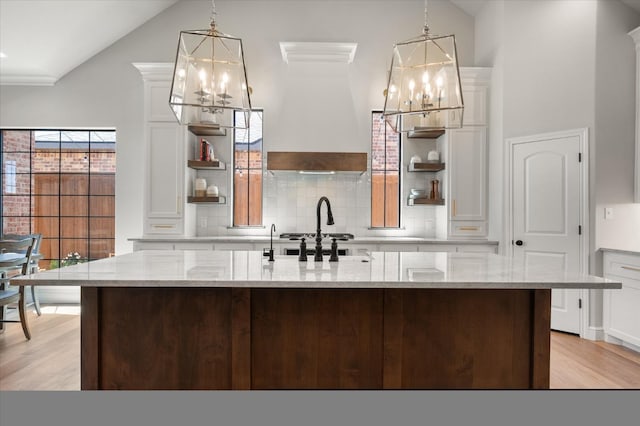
{"x":615,"y":128}
{"x":566,"y":65}
{"x":106,"y":91}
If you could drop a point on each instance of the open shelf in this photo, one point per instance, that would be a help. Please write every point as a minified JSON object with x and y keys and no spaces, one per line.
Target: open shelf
{"x":425,"y":167}
{"x":425,"y":133}
{"x":206,"y":165}
{"x":206,"y":130}
{"x":425,"y":201}
{"x":207,"y":200}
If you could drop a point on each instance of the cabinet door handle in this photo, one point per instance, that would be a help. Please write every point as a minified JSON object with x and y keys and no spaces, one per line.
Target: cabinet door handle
{"x":178,"y":198}
{"x":453,"y":208}
{"x":630,"y":268}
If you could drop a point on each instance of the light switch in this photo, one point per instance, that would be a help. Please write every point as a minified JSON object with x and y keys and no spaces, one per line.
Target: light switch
{"x":608,"y":212}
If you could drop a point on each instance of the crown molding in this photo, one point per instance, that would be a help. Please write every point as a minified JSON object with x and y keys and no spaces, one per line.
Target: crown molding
{"x":27,"y":80}
{"x":296,"y":51}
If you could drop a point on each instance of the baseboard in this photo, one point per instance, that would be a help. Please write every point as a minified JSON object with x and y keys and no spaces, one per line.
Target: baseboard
{"x":594,"y":333}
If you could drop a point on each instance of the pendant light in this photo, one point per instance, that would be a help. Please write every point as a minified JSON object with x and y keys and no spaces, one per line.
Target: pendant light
{"x":210,"y":79}
{"x":423,"y":88}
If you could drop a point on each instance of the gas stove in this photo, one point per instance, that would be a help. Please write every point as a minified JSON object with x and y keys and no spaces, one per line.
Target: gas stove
{"x":312,"y":235}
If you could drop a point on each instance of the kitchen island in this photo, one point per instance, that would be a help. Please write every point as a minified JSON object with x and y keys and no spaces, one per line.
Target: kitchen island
{"x":390,"y":320}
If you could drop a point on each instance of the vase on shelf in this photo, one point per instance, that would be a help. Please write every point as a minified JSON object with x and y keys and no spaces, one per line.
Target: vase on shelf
{"x":435,"y":191}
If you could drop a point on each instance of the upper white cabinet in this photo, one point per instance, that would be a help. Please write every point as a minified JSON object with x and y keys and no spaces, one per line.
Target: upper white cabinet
{"x":475,"y":105}
{"x":467,"y":173}
{"x":164,"y":203}
{"x":635,"y":34}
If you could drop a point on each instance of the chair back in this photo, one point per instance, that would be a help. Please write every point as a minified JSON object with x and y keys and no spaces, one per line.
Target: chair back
{"x":36,"y":245}
{"x":23,"y":247}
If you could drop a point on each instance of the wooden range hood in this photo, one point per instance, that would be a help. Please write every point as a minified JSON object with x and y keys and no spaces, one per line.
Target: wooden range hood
{"x":317,"y":161}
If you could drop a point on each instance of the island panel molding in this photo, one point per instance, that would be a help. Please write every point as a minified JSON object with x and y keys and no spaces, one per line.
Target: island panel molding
{"x":314,"y":339}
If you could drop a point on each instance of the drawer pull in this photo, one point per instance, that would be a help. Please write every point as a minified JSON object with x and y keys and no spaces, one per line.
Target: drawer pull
{"x":163,"y":226}
{"x":468,"y":228}
{"x":630,"y":268}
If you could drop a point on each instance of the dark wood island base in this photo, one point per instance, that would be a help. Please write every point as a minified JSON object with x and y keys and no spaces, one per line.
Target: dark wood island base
{"x":141,"y":338}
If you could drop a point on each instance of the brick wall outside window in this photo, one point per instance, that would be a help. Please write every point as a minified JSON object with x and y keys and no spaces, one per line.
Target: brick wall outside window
{"x":62,"y":186}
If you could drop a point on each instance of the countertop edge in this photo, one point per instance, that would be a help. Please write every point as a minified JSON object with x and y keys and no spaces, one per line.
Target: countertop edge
{"x":357,"y":240}
{"x":621,"y":251}
{"x":609,"y":284}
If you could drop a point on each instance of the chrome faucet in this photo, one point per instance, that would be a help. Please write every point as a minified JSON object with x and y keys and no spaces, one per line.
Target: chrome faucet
{"x":318,"y":255}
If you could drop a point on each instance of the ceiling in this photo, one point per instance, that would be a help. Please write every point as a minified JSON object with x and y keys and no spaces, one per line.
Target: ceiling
{"x":45,"y":39}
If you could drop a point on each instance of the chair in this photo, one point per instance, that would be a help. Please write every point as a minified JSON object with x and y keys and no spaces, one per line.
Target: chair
{"x":15,"y":259}
{"x":35,"y":256}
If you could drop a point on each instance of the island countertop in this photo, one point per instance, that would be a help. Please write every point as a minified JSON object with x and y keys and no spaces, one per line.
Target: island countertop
{"x":250,"y":269}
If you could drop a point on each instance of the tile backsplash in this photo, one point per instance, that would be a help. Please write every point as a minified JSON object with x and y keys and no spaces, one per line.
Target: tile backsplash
{"x":290,"y":200}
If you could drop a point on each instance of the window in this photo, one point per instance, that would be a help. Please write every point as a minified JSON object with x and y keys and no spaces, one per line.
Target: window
{"x":385,"y":174}
{"x":247,"y":166}
{"x":61,"y":184}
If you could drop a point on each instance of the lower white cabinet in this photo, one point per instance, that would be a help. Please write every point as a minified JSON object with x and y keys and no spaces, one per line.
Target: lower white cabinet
{"x":477,"y":248}
{"x":621,"y":308}
{"x":437,"y":247}
{"x":152,"y":245}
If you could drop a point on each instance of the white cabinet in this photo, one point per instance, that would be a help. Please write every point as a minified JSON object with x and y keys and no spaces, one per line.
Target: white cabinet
{"x":164,"y":179}
{"x":635,"y":34}
{"x":463,"y":248}
{"x":475,"y":105}
{"x":164,"y":203}
{"x":156,"y":104}
{"x":397,"y":247}
{"x":621,"y":308}
{"x":466,"y":156}
{"x":477,"y":248}
{"x":467,"y":188}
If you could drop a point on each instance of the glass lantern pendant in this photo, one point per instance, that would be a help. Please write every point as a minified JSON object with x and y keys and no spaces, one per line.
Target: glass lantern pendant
{"x":423,"y":90}
{"x":210,"y":79}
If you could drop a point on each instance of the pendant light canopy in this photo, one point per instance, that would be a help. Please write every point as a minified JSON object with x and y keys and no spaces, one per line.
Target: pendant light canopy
{"x":423,"y":90}
{"x":210,"y":79}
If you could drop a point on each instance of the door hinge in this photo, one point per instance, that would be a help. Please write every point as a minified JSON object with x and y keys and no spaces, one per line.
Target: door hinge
{"x":579,"y":229}
{"x":579,"y":303}
{"x":579,"y":157}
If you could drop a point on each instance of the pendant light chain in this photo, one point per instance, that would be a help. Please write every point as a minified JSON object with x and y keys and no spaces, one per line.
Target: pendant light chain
{"x":213,"y":15}
{"x":425,"y":30}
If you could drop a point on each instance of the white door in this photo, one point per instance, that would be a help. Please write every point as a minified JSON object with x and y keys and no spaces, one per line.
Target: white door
{"x":546,"y":214}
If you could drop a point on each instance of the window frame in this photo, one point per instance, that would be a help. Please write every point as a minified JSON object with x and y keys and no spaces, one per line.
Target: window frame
{"x":385,"y":171}
{"x":90,"y":149}
{"x":248,"y":170}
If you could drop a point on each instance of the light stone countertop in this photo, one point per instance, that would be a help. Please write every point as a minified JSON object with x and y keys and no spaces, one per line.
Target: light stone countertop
{"x":265,"y":238}
{"x":243,"y":269}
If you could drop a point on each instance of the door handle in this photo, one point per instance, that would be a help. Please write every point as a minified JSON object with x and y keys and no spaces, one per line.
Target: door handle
{"x":519,"y":242}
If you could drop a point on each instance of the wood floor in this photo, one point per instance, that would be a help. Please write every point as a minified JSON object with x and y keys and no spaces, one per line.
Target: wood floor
{"x":51,"y":359}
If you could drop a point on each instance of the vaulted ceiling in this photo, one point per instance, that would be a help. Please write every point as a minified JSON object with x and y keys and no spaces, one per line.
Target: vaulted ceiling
{"x":45,"y":39}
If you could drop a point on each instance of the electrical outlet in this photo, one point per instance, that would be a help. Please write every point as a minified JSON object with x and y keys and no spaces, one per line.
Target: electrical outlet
{"x":608,"y":212}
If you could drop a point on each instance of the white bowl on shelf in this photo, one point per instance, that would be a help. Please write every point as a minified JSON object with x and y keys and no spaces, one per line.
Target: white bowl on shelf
{"x":417,"y":193}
